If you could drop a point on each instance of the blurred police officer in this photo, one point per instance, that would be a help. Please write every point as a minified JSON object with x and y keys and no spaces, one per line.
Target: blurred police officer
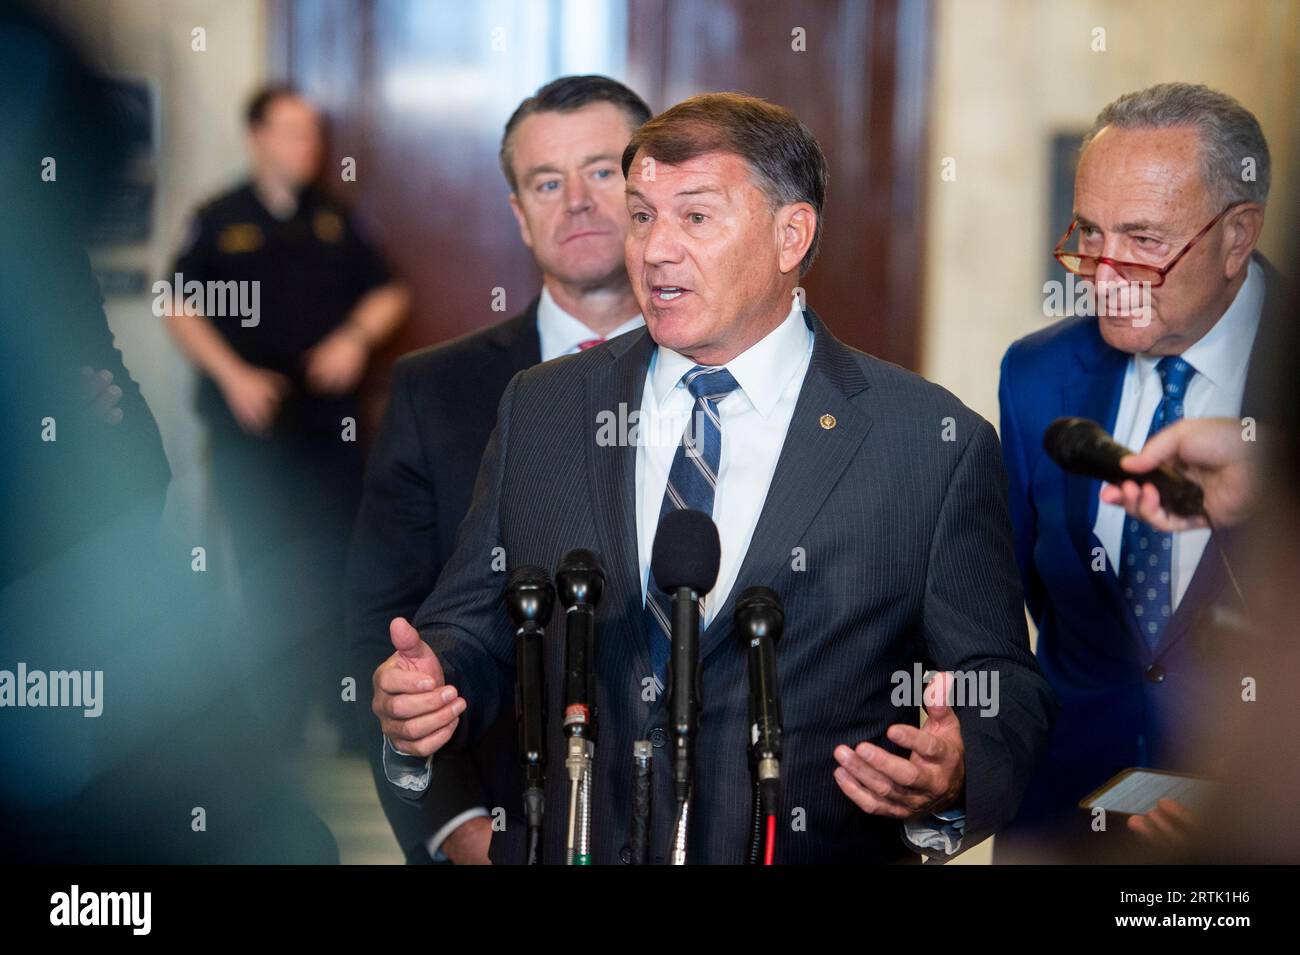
{"x":280,"y":361}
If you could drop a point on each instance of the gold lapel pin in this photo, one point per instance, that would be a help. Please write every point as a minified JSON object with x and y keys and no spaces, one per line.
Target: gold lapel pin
{"x":828,"y":421}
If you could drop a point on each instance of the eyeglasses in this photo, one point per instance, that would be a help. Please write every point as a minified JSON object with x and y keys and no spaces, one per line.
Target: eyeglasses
{"x":1086,"y":265}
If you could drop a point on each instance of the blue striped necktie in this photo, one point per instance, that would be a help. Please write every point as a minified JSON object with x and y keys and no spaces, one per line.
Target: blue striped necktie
{"x":1146,"y":557}
{"x":692,"y":483}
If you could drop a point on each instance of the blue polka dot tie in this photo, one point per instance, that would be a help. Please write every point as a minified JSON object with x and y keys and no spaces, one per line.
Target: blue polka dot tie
{"x":692,"y":482}
{"x":1146,"y":557}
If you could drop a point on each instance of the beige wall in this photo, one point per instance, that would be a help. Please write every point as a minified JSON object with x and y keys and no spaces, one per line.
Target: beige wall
{"x":200,"y":100}
{"x":1008,"y":74}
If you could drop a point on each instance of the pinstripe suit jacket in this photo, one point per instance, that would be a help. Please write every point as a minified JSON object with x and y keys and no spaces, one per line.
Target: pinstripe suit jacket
{"x":900,"y":510}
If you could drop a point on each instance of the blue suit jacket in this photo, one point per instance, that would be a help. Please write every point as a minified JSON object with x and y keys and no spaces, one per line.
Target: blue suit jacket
{"x":1122,"y":705}
{"x":908,"y":558}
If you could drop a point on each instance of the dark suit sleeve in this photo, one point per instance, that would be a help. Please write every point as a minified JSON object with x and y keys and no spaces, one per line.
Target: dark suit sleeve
{"x":393,"y":564}
{"x":394,"y":560}
{"x":975,"y":621}
{"x":1023,"y":516}
{"x":463,"y":619}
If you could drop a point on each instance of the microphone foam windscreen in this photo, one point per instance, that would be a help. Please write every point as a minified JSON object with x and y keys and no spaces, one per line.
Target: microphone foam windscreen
{"x":762,"y":607}
{"x":686,"y":552}
{"x":758,"y":597}
{"x":1065,"y":439}
{"x":579,"y":561}
{"x":527,"y":575}
{"x":579,"y":578}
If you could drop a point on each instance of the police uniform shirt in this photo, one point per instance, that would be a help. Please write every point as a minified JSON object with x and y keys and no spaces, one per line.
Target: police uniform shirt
{"x":311,"y":269}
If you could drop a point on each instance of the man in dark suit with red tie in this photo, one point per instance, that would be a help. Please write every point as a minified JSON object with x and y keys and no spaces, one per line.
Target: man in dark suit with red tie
{"x":560,"y":155}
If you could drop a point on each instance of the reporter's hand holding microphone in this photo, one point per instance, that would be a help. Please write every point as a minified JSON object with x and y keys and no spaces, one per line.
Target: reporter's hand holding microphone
{"x":1210,"y":451}
{"x":417,"y":711}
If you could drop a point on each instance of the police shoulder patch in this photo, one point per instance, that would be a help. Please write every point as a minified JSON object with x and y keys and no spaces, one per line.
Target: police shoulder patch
{"x":328,"y":226}
{"x":239,"y":237}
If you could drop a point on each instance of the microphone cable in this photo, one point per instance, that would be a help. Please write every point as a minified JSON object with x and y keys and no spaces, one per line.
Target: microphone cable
{"x":639,"y":830}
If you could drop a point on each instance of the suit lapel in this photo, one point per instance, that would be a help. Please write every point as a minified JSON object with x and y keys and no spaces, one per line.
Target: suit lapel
{"x":1205,"y":589}
{"x":798,"y":490}
{"x":616,"y":387}
{"x":519,"y":338}
{"x":1210,"y":583}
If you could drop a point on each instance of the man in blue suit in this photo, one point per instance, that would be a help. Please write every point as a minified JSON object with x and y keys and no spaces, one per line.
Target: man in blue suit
{"x":1166,"y":223}
{"x":870,"y":500}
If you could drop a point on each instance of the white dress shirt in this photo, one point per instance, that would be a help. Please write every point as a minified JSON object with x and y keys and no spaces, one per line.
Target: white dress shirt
{"x":754,"y":421}
{"x":1220,"y":358}
{"x":561,"y":334}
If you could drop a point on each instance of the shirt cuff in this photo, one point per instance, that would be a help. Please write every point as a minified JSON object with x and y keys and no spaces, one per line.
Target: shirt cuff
{"x":435,"y":841}
{"x":938,"y":834}
{"x":406,"y":771}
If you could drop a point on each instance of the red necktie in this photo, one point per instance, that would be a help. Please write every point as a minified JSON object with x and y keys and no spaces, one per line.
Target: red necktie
{"x":590,"y":342}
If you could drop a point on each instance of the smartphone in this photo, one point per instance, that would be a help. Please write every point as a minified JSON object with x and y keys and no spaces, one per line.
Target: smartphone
{"x":1135,"y":791}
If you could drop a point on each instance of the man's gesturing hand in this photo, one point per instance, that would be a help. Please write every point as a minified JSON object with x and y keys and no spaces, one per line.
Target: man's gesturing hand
{"x":417,"y":711}
{"x":930,"y":780}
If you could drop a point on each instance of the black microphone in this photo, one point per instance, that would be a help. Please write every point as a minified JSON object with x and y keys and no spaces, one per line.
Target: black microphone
{"x":529,"y":597}
{"x":579,"y":581}
{"x":1083,"y":447}
{"x":760,"y":622}
{"x":685,"y":562}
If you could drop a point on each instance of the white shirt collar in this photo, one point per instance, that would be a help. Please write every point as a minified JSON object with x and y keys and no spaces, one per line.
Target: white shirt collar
{"x":560,"y":333}
{"x":763,"y":370}
{"x":1222,"y":354}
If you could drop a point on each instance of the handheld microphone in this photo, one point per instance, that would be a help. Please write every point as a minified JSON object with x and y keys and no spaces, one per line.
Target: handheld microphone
{"x":760,"y":621}
{"x":1082,"y":447}
{"x":580,"y":582}
{"x":685,"y":562}
{"x":529,"y":597}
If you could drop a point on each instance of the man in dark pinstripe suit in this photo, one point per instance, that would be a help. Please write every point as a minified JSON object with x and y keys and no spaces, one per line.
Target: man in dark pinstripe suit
{"x":560,"y":154}
{"x":870,"y":500}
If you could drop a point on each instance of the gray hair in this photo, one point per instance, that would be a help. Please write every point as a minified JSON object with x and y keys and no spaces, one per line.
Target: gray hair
{"x":1229,"y":134}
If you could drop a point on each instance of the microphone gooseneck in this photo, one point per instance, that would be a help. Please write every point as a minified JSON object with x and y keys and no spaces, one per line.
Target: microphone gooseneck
{"x":760,"y":621}
{"x":639,"y":828}
{"x":579,"y":582}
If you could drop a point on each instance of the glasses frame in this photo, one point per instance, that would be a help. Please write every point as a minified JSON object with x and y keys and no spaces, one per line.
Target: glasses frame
{"x":1119,"y":264}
